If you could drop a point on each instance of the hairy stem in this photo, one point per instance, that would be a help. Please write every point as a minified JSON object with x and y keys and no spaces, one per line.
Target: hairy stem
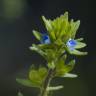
{"x":44,"y":91}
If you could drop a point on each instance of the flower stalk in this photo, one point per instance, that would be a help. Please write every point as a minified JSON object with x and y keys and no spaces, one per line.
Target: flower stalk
{"x":46,"y":84}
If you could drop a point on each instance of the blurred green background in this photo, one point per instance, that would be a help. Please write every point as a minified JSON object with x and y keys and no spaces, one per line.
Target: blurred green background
{"x":17,"y":20}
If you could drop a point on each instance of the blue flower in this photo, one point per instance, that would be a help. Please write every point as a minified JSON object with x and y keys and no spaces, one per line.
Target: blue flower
{"x":45,"y":39}
{"x":71,"y":44}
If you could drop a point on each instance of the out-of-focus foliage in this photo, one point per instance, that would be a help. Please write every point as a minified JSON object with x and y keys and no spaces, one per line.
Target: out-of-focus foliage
{"x":20,"y":94}
{"x":13,"y":8}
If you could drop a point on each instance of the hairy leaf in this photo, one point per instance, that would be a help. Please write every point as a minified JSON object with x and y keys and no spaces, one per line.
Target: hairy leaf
{"x":62,"y":69}
{"x":76,"y":52}
{"x":55,"y":88}
{"x":80,"y":45}
{"x":69,"y":75}
{"x":37,"y":34}
{"x":38,"y":75}
{"x":27,"y":82}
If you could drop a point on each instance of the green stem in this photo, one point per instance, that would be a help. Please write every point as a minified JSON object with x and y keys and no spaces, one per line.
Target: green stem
{"x":44,"y":91}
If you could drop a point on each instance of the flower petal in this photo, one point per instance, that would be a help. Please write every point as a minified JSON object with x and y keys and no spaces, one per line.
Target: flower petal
{"x":45,"y":39}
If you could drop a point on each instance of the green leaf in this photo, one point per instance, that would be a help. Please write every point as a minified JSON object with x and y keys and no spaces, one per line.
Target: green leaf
{"x":74,"y":28}
{"x":76,"y":52}
{"x":80,"y":45}
{"x":65,"y":16}
{"x":42,"y":72}
{"x":49,"y":27}
{"x":69,"y":66}
{"x":54,"y":88}
{"x":58,"y":27}
{"x":37,"y":49}
{"x":38,"y":76}
{"x":20,"y":94}
{"x":69,"y":75}
{"x":27,"y":83}
{"x":60,"y":64}
{"x":62,"y":69}
{"x":79,"y":39}
{"x":37,"y":34}
{"x":35,"y":77}
{"x":47,"y":23}
{"x":61,"y":25}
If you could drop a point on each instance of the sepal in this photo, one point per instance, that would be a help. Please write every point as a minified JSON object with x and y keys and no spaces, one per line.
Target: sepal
{"x":80,"y":45}
{"x":76,"y":52}
{"x":37,"y":34}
